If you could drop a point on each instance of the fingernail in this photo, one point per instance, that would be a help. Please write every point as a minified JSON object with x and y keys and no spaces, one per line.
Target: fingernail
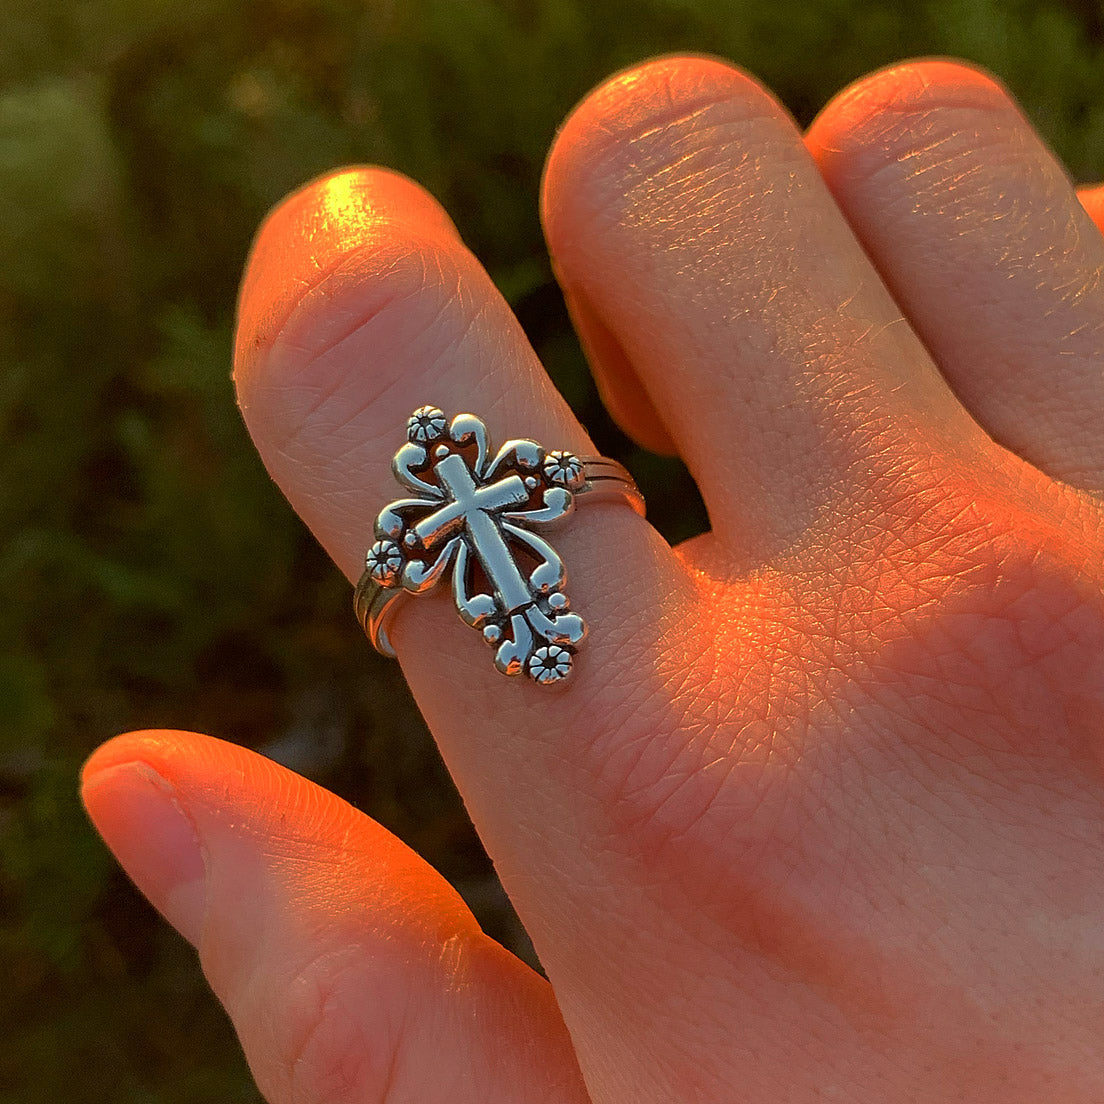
{"x":140,"y":818}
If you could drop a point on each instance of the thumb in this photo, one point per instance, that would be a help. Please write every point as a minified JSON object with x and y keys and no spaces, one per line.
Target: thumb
{"x":351,"y":970}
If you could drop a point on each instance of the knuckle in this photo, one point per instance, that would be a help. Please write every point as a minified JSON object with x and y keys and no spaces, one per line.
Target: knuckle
{"x":629,"y":134}
{"x":921,"y":84}
{"x":1045,"y":610}
{"x":311,"y":231}
{"x":337,"y":1034}
{"x":910,"y":118}
{"x":394,"y":302}
{"x":994,"y":609}
{"x":390,"y":277}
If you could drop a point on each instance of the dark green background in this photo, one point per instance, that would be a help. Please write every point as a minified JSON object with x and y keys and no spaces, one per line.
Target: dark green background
{"x":149,"y":572}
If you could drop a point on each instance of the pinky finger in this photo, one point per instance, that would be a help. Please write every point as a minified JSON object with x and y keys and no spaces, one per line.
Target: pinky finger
{"x":351,"y":970}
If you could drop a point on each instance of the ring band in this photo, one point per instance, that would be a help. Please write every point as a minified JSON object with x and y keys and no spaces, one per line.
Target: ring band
{"x":474,"y":512}
{"x":605,"y":480}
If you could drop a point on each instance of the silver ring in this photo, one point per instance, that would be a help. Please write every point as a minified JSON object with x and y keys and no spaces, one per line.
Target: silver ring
{"x":474,"y":511}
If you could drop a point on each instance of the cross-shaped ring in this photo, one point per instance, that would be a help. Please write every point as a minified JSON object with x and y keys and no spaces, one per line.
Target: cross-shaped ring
{"x":476,"y":513}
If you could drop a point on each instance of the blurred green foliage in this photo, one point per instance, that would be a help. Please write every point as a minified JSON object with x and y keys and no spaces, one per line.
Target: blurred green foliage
{"x":149,"y":573}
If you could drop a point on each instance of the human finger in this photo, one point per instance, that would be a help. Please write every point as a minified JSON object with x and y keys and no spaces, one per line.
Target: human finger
{"x":685,"y":213}
{"x":618,"y":382}
{"x":351,"y":970}
{"x":978,"y":231}
{"x":390,"y":311}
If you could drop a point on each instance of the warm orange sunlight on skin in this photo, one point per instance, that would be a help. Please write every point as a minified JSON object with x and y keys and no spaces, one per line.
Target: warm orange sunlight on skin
{"x":819,"y":814}
{"x":948,"y":612}
{"x":317,"y":851}
{"x":265,"y":794}
{"x":337,"y":218}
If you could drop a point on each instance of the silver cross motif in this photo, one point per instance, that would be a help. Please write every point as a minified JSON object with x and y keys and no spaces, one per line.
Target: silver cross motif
{"x":476,"y":513}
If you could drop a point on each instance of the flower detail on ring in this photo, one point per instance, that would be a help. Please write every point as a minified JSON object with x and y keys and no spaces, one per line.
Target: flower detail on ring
{"x":384,"y":562}
{"x":426,"y":424}
{"x":549,"y":664}
{"x":563,"y":469}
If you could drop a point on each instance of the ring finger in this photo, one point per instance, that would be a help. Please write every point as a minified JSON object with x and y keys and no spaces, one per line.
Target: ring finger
{"x":361,"y":304}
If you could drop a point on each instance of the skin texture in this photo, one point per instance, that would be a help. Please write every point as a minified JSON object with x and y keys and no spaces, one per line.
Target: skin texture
{"x":819,"y":816}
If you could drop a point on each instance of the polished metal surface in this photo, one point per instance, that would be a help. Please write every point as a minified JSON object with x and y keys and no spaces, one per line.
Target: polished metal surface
{"x":475,"y":513}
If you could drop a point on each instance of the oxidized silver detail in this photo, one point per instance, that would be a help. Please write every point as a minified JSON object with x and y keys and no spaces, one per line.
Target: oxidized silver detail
{"x":564,"y":469}
{"x":549,"y":664}
{"x":426,"y":424}
{"x":472,"y":512}
{"x":384,"y":562}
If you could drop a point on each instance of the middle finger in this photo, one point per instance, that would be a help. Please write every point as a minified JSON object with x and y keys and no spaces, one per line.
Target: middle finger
{"x":691,"y":226}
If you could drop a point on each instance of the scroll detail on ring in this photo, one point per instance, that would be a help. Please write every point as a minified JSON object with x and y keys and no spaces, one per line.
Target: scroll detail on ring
{"x":477,"y":514}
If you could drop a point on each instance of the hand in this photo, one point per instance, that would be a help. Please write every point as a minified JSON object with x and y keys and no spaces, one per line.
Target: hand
{"x":820,"y":815}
